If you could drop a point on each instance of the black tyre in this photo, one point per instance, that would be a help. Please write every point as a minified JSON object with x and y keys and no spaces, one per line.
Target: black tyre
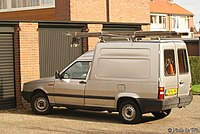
{"x":162,"y":114}
{"x":40,"y":104}
{"x":130,"y":112}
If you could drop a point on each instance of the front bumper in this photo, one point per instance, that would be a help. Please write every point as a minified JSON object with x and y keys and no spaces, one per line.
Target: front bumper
{"x":27,"y":95}
{"x":154,"y":105}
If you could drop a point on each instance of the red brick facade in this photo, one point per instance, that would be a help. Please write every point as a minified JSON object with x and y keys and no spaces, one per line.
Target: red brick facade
{"x":62,"y":10}
{"x":132,"y":11}
{"x":129,"y":11}
{"x":26,"y":51}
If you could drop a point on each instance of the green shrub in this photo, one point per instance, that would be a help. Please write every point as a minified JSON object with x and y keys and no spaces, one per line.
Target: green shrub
{"x":195,"y":69}
{"x":196,"y":88}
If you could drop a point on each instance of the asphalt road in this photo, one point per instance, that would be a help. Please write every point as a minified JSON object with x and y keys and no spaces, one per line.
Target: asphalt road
{"x":63,"y":121}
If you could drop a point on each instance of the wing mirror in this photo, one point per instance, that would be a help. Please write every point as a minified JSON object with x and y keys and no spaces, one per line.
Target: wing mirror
{"x":57,"y":74}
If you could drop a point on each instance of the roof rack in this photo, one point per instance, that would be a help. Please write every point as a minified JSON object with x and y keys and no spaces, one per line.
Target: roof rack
{"x":130,"y":36}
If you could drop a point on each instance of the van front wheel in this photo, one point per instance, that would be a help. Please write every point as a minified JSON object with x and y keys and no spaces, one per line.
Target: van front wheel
{"x":162,"y":114}
{"x":40,"y":104}
{"x":129,"y":112}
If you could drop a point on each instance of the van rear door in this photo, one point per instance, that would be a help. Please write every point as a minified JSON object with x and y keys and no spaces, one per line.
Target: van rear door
{"x":168,"y":71}
{"x":184,"y":75}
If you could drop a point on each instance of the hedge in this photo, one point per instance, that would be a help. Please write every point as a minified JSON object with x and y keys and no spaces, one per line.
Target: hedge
{"x":195,"y":69}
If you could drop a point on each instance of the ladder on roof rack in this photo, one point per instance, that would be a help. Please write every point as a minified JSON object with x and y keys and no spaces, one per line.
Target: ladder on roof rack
{"x":128,"y":35}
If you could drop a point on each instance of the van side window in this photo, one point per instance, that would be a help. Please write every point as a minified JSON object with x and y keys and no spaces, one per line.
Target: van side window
{"x":78,"y":70}
{"x":169,"y":62}
{"x":182,"y":60}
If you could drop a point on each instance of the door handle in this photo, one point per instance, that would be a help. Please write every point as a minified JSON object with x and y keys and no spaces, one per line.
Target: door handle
{"x":82,"y":82}
{"x":181,"y":82}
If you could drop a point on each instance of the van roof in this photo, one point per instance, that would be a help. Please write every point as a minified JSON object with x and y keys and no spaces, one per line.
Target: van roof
{"x":88,"y":56}
{"x":148,"y":41}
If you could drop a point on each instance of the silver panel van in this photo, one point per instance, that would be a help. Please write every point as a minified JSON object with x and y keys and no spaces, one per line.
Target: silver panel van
{"x":131,"y":78}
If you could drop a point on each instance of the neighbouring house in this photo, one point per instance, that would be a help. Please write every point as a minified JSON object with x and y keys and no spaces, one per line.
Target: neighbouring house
{"x":165,"y":15}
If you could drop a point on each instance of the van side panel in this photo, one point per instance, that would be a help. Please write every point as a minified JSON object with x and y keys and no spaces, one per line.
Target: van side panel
{"x":123,"y":68}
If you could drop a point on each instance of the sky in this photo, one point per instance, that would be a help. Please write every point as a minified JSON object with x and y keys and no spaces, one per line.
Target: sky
{"x":191,"y":5}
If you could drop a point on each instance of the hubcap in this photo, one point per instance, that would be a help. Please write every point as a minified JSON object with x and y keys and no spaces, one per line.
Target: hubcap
{"x":41,"y":104}
{"x":128,"y":112}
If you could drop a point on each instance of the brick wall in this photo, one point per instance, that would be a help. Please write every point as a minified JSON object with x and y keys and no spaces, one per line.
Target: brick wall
{"x":92,"y":41}
{"x":134,"y":11}
{"x":62,"y":10}
{"x":29,"y":51}
{"x":88,"y":10}
{"x":191,"y":22}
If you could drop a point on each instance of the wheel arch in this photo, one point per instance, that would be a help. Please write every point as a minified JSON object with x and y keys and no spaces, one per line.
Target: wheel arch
{"x":126,"y":98}
{"x":37,"y":91}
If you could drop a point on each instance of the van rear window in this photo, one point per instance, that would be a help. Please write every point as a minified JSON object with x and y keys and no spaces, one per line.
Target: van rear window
{"x":169,"y":62}
{"x":182,"y":60}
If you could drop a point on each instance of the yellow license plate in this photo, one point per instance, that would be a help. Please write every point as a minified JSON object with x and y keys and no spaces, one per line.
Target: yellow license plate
{"x":172,"y":91}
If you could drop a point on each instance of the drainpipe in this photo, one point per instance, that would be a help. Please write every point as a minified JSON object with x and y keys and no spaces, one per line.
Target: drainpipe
{"x":108,"y":10}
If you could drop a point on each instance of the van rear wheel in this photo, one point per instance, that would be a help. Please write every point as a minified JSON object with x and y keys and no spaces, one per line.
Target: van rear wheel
{"x":161,"y":114}
{"x":129,"y":112}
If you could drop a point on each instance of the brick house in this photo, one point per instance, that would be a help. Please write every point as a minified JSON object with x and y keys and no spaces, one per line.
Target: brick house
{"x":165,"y":15}
{"x":31,"y":36}
{"x":118,"y":14}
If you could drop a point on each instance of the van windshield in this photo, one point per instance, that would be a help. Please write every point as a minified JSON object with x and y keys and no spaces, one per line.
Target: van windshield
{"x":169,"y":63}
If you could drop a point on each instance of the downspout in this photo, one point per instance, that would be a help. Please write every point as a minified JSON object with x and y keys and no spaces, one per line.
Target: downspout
{"x":108,"y":10}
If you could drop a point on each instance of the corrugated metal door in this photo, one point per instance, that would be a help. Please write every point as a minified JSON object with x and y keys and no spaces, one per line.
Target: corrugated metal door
{"x":57,"y":50}
{"x":7,"y":84}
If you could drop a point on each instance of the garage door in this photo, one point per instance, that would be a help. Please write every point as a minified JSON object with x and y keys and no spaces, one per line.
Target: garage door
{"x":7,"y":84}
{"x":57,"y":50}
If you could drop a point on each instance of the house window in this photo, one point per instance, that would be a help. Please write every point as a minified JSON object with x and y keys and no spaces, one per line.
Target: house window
{"x":24,"y":3}
{"x":158,"y":22}
{"x":164,"y":22}
{"x":153,"y":19}
{"x":14,"y":5}
{"x":187,"y":19}
{"x":3,"y":4}
{"x":47,"y":2}
{"x":160,"y":19}
{"x":175,"y":22}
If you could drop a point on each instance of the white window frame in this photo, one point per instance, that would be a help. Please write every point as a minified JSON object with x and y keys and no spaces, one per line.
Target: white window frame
{"x":179,"y":24}
{"x":41,"y":6}
{"x":157,"y":26}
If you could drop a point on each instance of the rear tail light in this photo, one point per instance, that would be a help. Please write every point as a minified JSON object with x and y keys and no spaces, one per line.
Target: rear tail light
{"x":161,"y":93}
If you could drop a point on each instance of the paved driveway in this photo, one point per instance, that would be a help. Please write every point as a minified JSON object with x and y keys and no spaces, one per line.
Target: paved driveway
{"x":63,"y":121}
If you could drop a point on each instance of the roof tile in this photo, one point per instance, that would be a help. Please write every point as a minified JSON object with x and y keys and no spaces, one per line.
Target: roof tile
{"x":167,"y":7}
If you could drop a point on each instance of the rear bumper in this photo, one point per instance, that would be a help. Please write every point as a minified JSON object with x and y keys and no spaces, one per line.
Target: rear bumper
{"x":153,"y":105}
